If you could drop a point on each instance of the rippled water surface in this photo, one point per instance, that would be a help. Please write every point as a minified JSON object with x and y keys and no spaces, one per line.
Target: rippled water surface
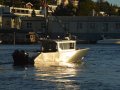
{"x":100,"y":71}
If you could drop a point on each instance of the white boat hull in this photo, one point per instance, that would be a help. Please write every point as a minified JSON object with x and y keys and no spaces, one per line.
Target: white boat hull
{"x":60,"y":58}
{"x":109,"y":41}
{"x":0,"y":41}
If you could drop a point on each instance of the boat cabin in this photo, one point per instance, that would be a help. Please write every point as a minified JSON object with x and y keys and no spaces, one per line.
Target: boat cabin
{"x":58,"y":45}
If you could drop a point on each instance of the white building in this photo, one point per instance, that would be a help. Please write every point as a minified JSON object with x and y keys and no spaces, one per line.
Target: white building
{"x":23,"y":12}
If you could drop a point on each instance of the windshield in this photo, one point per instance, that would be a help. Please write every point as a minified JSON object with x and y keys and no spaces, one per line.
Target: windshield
{"x":65,"y":46}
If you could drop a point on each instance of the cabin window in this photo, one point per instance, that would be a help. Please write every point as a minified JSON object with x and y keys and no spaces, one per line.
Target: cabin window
{"x":49,"y":47}
{"x":71,"y":45}
{"x":65,"y":46}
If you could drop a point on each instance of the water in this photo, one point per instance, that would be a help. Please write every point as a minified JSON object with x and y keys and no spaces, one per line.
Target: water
{"x":100,"y":71}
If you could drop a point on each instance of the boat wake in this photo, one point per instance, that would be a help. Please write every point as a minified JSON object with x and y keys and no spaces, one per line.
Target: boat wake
{"x":2,"y":63}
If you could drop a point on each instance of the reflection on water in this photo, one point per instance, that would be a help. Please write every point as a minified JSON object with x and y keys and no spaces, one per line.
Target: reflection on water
{"x":61,"y":76}
{"x":30,"y":78}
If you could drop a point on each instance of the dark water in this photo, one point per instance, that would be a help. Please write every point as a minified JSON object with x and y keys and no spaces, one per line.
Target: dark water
{"x":100,"y":71}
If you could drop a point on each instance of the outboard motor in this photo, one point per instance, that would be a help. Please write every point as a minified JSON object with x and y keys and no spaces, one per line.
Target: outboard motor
{"x":20,"y":57}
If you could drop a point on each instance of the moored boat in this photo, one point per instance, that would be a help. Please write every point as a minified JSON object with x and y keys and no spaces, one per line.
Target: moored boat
{"x":0,"y":41}
{"x":109,"y":41}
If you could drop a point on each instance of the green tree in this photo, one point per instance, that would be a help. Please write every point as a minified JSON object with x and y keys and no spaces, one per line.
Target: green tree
{"x":107,"y":8}
{"x":85,"y":7}
{"x":68,"y":10}
{"x":1,"y":2}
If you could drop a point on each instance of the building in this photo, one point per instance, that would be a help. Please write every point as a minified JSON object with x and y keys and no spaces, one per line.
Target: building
{"x":9,"y":21}
{"x":22,"y":12}
{"x":89,"y":28}
{"x":26,"y":12}
{"x":86,"y":27}
{"x":4,"y":9}
{"x":35,"y":24}
{"x":14,"y":29}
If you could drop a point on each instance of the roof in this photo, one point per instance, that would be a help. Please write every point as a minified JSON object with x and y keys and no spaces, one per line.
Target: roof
{"x":29,"y":3}
{"x":65,"y":41}
{"x":58,"y":41}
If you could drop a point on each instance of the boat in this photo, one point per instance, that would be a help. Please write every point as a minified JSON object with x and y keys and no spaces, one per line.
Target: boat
{"x":54,"y":53}
{"x":0,"y":41}
{"x":59,"y":53}
{"x":109,"y":41}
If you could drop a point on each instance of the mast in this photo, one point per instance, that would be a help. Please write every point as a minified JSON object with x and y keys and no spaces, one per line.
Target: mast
{"x":45,"y":7}
{"x":46,"y":15}
{"x":14,"y":38}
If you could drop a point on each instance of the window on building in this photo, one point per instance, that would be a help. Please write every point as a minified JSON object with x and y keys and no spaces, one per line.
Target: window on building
{"x":7,"y":23}
{"x":105,"y":27}
{"x":117,"y":25}
{"x":43,"y":25}
{"x":13,"y":10}
{"x":66,"y":27}
{"x":22,"y":11}
{"x":79,"y":25}
{"x":92,"y":25}
{"x":29,"y":25}
{"x":26,"y":11}
{"x":18,"y":11}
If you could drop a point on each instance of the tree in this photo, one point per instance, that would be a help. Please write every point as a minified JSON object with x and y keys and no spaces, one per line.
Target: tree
{"x":85,"y":7}
{"x":107,"y":8}
{"x":68,"y":10}
{"x":1,"y":2}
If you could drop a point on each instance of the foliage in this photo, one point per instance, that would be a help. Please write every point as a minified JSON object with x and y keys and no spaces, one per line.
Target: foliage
{"x":84,"y":8}
{"x":68,"y":10}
